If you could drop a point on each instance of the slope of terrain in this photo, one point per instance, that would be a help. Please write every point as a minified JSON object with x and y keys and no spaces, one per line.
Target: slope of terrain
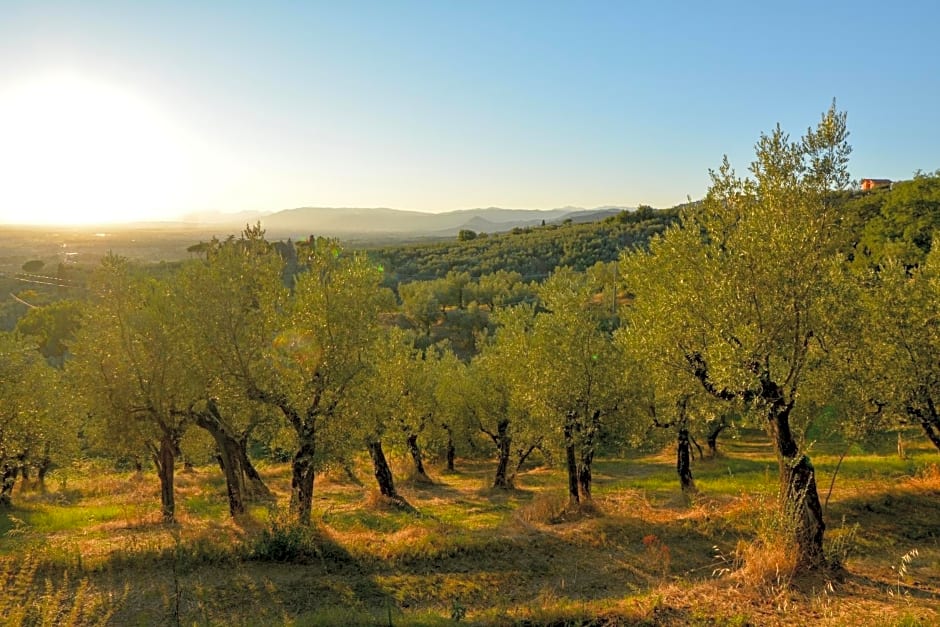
{"x":482,"y":556}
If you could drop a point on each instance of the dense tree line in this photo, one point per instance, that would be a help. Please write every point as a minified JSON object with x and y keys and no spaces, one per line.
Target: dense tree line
{"x":778,"y":295}
{"x":896,"y":223}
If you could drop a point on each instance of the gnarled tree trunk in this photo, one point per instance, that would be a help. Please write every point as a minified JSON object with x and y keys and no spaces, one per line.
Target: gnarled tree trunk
{"x":925,"y":413}
{"x":503,"y":442}
{"x":254,"y":484}
{"x":798,"y":489}
{"x":584,"y":478}
{"x":571,"y":462}
{"x":698,"y":447}
{"x":451,"y":455}
{"x":715,"y":429}
{"x":23,"y":467}
{"x":164,"y":457}
{"x":587,"y":456}
{"x":383,"y":473}
{"x":415,"y":452}
{"x":303,"y":472}
{"x":451,"y":449}
{"x":230,"y":462}
{"x":523,"y":455}
{"x":8,"y":473}
{"x":932,"y":431}
{"x":43,"y":466}
{"x":241,"y":479}
{"x":799,"y":496}
{"x":683,"y":461}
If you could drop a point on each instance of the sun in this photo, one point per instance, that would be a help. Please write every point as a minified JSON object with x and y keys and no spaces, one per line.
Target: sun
{"x":74,"y":150}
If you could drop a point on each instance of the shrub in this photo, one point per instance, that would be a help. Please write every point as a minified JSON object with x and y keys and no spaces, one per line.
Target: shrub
{"x":840,"y":544}
{"x":285,"y":541}
{"x":544,"y":508}
{"x":768,"y":563}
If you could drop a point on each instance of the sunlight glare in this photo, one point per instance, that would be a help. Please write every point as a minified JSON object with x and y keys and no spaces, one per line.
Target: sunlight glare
{"x":79,"y":151}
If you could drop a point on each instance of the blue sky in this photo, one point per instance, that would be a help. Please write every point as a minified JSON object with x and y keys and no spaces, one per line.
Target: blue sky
{"x":444,"y":105}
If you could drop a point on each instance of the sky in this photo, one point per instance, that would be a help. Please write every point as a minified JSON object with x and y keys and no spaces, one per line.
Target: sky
{"x":121,"y":111}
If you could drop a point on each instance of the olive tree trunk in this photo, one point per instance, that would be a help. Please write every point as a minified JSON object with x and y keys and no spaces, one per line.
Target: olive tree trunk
{"x":683,"y":461}
{"x":415,"y":451}
{"x":383,"y":473}
{"x":798,"y":489}
{"x":587,"y":455}
{"x":503,"y":442}
{"x":43,"y":466}
{"x":164,"y":458}
{"x":716,"y":427}
{"x":230,"y":461}
{"x":255,"y":486}
{"x":242,"y":480}
{"x":925,"y":413}
{"x":303,"y":472}
{"x":571,"y":462}
{"x":8,"y":473}
{"x":451,"y":454}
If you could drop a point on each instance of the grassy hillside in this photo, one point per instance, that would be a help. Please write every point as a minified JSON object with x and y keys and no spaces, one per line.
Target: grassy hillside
{"x":532,"y":252}
{"x":91,"y":550}
{"x":898,"y":221}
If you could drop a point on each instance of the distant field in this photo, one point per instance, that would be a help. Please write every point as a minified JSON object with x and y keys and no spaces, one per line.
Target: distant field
{"x":85,"y":245}
{"x":91,"y":549}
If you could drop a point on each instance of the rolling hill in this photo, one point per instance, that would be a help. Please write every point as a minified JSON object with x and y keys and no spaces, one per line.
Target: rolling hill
{"x":346,"y":222}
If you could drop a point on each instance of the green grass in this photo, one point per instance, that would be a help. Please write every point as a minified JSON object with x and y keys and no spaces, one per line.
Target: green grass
{"x":391,"y":615}
{"x":69,"y":518}
{"x":204,"y":505}
{"x":730,"y":474}
{"x":44,"y":519}
{"x":467,"y":515}
{"x":877,"y":467}
{"x":361,"y":520}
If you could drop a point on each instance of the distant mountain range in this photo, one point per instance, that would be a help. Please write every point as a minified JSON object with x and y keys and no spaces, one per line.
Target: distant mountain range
{"x":346,"y":222}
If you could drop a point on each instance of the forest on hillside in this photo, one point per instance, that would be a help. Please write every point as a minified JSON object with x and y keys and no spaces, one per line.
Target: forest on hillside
{"x":783,"y":302}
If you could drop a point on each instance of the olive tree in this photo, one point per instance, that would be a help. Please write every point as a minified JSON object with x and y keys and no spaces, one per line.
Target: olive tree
{"x":393,"y":405}
{"x":456,"y":429}
{"x":886,"y":371}
{"x":319,"y":356}
{"x":489,"y":393}
{"x":127,"y":365}
{"x":736,"y":296}
{"x":32,"y":426}
{"x":574,"y":375}
{"x":229,"y":303}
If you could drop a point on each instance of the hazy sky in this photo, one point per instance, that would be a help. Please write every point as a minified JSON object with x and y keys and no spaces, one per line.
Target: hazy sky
{"x":123,"y":110}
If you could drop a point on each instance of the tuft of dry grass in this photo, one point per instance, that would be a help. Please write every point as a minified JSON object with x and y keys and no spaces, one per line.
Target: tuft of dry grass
{"x":764,"y":567}
{"x":766,"y":563}
{"x":544,"y":508}
{"x":927,"y":478}
{"x":379,"y":502}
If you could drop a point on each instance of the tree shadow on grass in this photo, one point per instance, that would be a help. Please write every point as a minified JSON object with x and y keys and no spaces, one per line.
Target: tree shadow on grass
{"x":428,"y":489}
{"x":591,"y":559}
{"x":11,"y":517}
{"x":898,"y":591}
{"x":273,"y":576}
{"x":891,"y":524}
{"x":895,"y":517}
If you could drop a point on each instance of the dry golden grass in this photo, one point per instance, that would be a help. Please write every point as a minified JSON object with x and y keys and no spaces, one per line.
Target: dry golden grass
{"x":643,"y":555}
